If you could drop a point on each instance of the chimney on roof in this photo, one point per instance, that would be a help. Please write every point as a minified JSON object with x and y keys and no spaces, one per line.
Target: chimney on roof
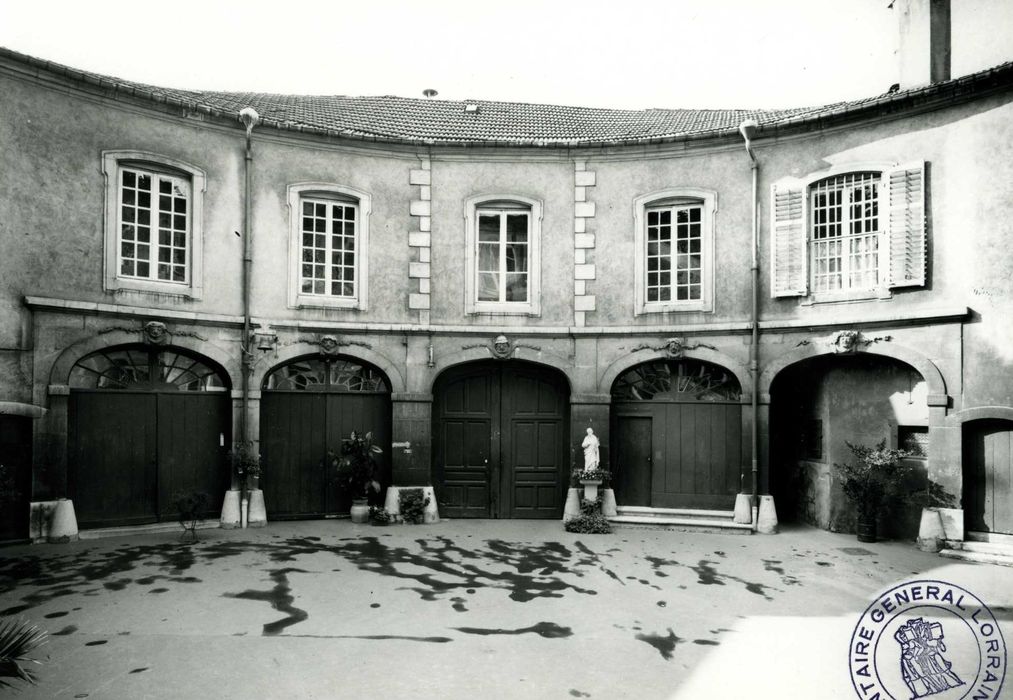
{"x":924,"y":45}
{"x":430,"y":93}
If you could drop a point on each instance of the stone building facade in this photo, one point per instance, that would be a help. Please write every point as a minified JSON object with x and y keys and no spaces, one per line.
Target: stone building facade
{"x":479,"y":282}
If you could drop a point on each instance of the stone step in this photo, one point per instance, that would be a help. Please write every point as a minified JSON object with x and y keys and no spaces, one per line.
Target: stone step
{"x":977,"y":557}
{"x":1002,"y":548}
{"x":696,"y":524}
{"x":682,"y":513}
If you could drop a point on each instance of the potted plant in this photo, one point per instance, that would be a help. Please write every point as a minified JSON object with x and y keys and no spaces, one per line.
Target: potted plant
{"x":875,"y":476}
{"x":591,"y":479}
{"x":190,"y":507}
{"x":247,"y":466}
{"x":358,"y":469}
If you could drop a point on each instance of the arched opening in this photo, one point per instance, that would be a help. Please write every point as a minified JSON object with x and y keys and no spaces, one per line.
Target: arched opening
{"x":822,"y":403}
{"x":677,"y":435}
{"x":308,"y":405}
{"x":145,"y":423}
{"x":500,"y":440}
{"x":988,"y":476}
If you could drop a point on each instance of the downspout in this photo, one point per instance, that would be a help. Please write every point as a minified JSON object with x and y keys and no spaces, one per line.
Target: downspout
{"x":748,"y":129}
{"x":249,"y":117}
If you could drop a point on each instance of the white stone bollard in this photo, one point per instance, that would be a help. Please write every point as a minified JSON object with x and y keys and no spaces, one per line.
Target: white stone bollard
{"x":766,"y":520}
{"x":231,"y":517}
{"x":64,"y":525}
{"x":257,"y":515}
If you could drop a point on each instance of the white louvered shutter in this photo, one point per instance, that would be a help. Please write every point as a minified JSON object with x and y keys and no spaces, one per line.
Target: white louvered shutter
{"x":906,"y":185}
{"x":788,"y":269}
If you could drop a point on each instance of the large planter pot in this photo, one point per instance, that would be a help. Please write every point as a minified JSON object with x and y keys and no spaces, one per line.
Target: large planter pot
{"x":360,"y":510}
{"x":865,"y":527}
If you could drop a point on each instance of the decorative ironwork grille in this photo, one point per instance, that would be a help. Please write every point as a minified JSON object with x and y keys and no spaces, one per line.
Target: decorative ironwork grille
{"x":143,"y":368}
{"x":679,"y":380}
{"x":326,"y":374}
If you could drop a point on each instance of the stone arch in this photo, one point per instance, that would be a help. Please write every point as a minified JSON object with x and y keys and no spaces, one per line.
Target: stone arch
{"x":356,"y":352}
{"x":715,"y":357}
{"x":983,"y":412}
{"x":477,"y":354}
{"x":60,"y":372}
{"x":924,"y":366}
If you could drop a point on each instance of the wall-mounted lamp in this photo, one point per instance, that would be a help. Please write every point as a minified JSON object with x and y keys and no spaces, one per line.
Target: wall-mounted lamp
{"x":265,"y":339}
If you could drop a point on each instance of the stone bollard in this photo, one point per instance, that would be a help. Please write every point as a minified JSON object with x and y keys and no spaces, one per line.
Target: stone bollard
{"x":743,"y":509}
{"x":766,"y":520}
{"x":257,"y":515}
{"x":231,"y":518}
{"x":64,"y":525}
{"x":930,"y":531}
{"x":572,"y":508}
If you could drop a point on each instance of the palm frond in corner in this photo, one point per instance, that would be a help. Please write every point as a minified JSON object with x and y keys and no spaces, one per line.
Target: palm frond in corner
{"x":17,"y":639}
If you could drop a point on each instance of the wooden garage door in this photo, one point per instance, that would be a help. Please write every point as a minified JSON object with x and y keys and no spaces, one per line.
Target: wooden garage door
{"x":145,"y":424}
{"x":988,"y":476}
{"x":678,"y":432}
{"x":500,"y":441}
{"x":308,"y":406}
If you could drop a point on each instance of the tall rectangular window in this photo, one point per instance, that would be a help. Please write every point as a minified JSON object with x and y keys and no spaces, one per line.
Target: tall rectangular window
{"x":154,"y":226}
{"x":845,"y":232}
{"x":674,"y":254}
{"x":503,"y":255}
{"x":328,"y":260}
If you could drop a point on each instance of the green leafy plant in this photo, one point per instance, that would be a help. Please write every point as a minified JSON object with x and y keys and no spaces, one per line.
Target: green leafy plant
{"x":17,"y":639}
{"x":357,"y":466}
{"x":874,"y":478}
{"x":412,"y":504}
{"x":379,"y":515}
{"x":246,"y":464}
{"x":596,"y":473}
{"x":589,"y":524}
{"x":190,"y":508}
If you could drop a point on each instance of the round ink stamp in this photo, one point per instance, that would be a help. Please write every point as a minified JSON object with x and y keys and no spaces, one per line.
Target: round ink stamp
{"x":927,"y":639}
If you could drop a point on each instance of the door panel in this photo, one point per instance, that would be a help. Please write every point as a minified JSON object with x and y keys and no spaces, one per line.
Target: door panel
{"x":16,"y":457}
{"x":112,"y":458}
{"x":988,"y":476}
{"x":633,"y":460}
{"x":293,"y":446}
{"x":192,"y":434}
{"x":500,"y":445}
{"x":364,"y":413}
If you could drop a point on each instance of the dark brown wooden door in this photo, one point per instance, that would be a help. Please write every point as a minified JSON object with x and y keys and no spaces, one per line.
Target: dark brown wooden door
{"x":988,"y":476}
{"x":500,"y":441}
{"x":129,"y":453}
{"x":693,"y":412}
{"x":15,"y":476}
{"x":297,"y":429}
{"x":632,"y":477}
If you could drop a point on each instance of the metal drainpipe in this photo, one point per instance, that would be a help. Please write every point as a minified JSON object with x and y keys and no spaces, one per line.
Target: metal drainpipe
{"x":249,"y":117}
{"x":747,"y":129}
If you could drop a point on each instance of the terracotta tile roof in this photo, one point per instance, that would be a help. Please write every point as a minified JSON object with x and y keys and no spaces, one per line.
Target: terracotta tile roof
{"x":425,"y":121}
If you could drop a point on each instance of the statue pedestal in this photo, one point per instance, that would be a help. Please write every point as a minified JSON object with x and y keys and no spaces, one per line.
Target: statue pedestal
{"x":591,"y":488}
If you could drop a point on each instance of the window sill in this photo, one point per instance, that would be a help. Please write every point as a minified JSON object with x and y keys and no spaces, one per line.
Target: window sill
{"x":125,"y":284}
{"x":696,"y":307}
{"x":502,"y":311}
{"x":846,"y":297}
{"x":308,"y":302}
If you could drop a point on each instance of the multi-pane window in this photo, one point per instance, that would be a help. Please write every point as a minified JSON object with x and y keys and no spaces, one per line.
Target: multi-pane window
{"x":503,"y":255}
{"x":845,"y":232}
{"x":674,"y":253}
{"x":154,"y":225}
{"x":328,"y":260}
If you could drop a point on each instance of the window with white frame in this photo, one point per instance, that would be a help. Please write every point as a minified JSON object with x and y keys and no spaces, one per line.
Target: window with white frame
{"x":845,"y":231}
{"x":674,"y":250}
{"x":153,"y":224}
{"x":851,"y":234}
{"x":502,"y":264}
{"x":329,"y":246}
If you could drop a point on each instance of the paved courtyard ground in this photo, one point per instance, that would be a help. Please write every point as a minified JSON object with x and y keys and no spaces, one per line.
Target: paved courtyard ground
{"x":461,"y":609}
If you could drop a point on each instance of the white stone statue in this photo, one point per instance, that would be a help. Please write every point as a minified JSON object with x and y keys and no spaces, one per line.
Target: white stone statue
{"x":590,"y":446}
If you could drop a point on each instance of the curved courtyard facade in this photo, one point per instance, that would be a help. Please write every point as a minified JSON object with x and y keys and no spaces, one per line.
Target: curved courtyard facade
{"x":478,"y":283}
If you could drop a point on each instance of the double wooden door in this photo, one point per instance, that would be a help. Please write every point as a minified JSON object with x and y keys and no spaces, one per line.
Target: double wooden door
{"x":131,"y":452}
{"x":500,"y":441}
{"x":988,"y":476}
{"x":300,"y":433}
